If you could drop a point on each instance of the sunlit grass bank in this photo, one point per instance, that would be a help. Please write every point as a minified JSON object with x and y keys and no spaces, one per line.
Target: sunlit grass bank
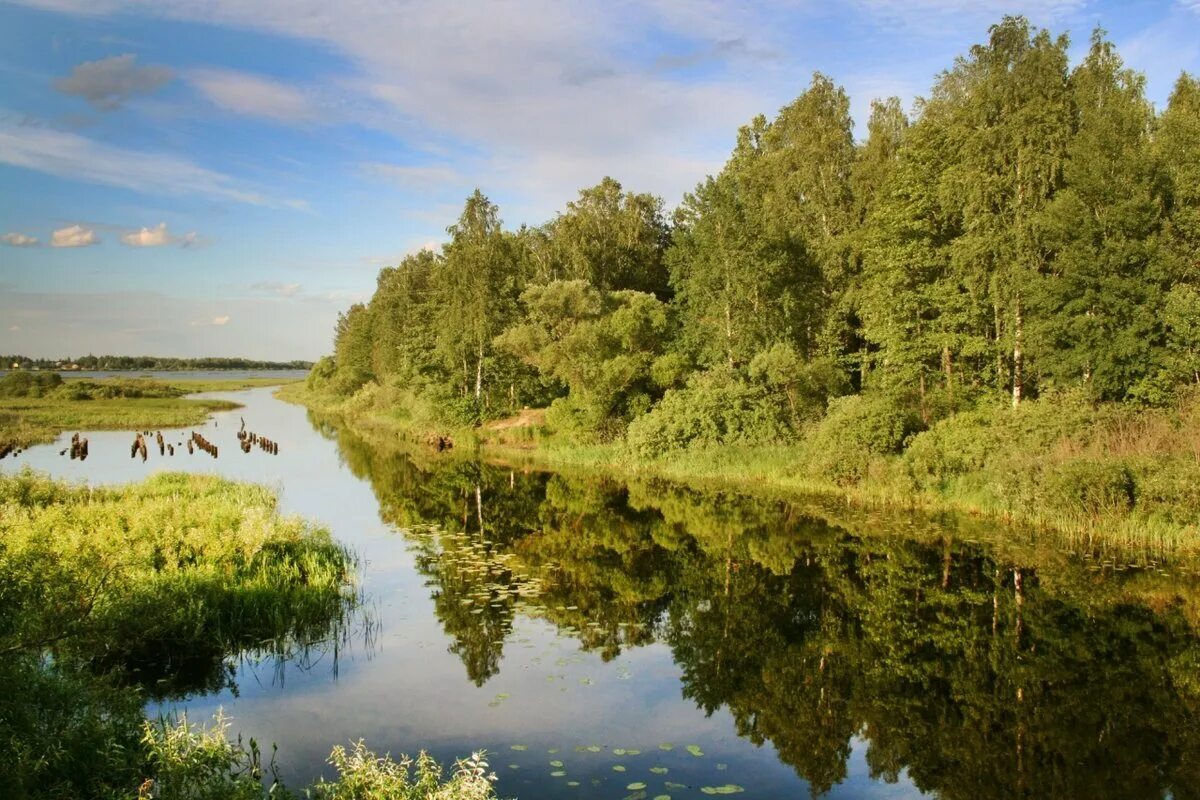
{"x":110,"y":596}
{"x":38,"y":410}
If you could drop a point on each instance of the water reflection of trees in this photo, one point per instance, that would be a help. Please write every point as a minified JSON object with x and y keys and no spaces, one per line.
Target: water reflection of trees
{"x":977,"y":674}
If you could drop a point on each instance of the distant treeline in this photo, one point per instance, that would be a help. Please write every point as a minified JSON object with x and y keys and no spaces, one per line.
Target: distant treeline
{"x":152,"y":363}
{"x":1031,"y":227}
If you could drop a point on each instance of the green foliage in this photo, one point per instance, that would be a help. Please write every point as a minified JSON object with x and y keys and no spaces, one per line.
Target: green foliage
{"x":601,"y":345}
{"x":857,"y":429}
{"x":715,"y":409}
{"x":112,"y":596}
{"x":612,"y":240}
{"x":20,"y":383}
{"x":188,"y":762}
{"x":362,"y":775}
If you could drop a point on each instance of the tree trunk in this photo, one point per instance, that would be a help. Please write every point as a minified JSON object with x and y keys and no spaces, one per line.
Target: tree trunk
{"x":1018,"y":384}
{"x":479,"y":374}
{"x":948,"y":369}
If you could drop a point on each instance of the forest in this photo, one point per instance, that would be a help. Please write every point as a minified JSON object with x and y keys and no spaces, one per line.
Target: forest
{"x":1027,"y":235}
{"x":156,"y":363}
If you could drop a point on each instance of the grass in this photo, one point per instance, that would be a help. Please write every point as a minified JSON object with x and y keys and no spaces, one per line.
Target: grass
{"x":113,"y":404}
{"x":112,"y":595}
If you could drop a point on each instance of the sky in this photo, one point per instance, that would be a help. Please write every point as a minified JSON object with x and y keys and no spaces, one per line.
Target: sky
{"x":222,"y":177}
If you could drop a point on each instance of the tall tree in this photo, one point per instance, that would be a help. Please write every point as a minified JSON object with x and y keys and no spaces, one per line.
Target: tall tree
{"x":740,"y":285}
{"x":477,"y":288}
{"x":1010,"y":122}
{"x":613,"y":239}
{"x":1097,"y":313}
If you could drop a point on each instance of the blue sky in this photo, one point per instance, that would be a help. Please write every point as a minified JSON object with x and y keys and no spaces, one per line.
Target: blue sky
{"x":222,"y":177}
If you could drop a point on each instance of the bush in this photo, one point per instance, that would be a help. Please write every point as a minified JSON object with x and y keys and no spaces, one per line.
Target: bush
{"x":1089,"y":488}
{"x":856,"y":429}
{"x":714,"y":409}
{"x":20,"y":383}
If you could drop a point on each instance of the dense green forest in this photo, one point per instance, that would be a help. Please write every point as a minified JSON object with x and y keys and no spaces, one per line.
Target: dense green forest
{"x":1029,"y":232}
{"x":90,"y":362}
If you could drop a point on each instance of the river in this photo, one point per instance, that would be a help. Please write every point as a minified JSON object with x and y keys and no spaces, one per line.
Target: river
{"x":603,"y":639}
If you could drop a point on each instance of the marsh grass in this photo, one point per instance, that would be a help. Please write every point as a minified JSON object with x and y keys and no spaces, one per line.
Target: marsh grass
{"x":113,"y":595}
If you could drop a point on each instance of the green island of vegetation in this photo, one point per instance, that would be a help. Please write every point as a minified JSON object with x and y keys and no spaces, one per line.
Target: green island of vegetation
{"x":35,"y":407}
{"x":992,"y":305}
{"x":113,"y":597}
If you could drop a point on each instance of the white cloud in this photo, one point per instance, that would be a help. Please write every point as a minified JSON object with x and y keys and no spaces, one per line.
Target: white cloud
{"x":158,"y":236}
{"x":935,"y":13}
{"x":75,"y":157}
{"x":509,"y":80}
{"x":278,"y":288}
{"x":108,"y":83}
{"x":417,"y":176}
{"x":74,"y":236}
{"x":254,"y":96}
{"x":14,"y":239}
{"x":215,"y":322}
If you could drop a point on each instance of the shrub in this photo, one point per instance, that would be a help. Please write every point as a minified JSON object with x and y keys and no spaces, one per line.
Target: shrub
{"x":1089,"y":488}
{"x":856,"y":429}
{"x":20,"y":383}
{"x":714,"y":409}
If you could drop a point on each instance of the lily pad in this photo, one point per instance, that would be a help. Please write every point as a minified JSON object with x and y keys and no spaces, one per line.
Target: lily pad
{"x":662,"y":797}
{"x":666,"y":746}
{"x":556,"y":763}
{"x":558,"y":773}
{"x":572,"y":784}
{"x":618,"y":768}
{"x":514,"y":766}
{"x":695,"y":750}
{"x":729,"y":788}
{"x":593,"y":748}
{"x":659,"y":770}
{"x":632,"y":752}
{"x":637,"y":786}
{"x":519,"y":747}
{"x":674,"y":786}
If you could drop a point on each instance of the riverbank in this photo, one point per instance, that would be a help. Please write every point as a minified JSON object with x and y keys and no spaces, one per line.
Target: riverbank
{"x":38,"y":410}
{"x":1099,"y":476}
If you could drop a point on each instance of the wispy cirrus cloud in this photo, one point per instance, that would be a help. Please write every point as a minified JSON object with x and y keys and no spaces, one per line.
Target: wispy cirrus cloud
{"x":158,"y":236}
{"x":74,"y":236}
{"x":107,"y":84}
{"x":71,"y":156}
{"x":14,"y":239}
{"x":254,"y":95}
{"x":278,"y":288}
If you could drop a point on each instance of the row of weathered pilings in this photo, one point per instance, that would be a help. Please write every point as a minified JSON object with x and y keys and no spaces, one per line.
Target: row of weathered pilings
{"x":78,"y":448}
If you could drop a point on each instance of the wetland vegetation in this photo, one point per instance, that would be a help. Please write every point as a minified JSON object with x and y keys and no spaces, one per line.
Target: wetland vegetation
{"x":36,"y":407}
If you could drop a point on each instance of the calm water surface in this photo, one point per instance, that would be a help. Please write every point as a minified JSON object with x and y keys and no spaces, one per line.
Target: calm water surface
{"x":605,"y":640}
